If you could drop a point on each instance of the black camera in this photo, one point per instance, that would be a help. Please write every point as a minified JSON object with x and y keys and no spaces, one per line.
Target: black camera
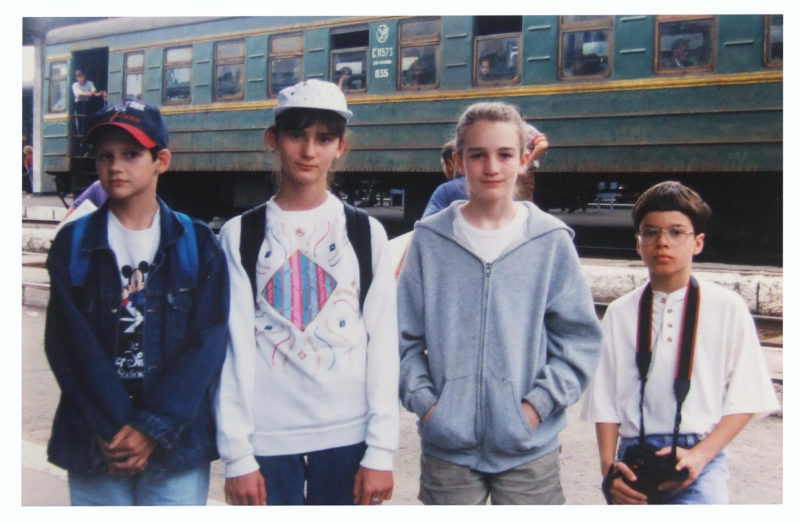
{"x":651,"y":470}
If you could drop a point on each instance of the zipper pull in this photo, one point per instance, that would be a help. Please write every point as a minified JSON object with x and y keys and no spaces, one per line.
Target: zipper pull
{"x":488,"y":269}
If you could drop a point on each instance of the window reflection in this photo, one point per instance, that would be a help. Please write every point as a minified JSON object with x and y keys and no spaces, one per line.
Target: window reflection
{"x":775,"y":40}
{"x":585,"y":53}
{"x":58,"y":87}
{"x":419,"y":66}
{"x":178,"y":75}
{"x":229,"y":70}
{"x":419,"y":53}
{"x":685,"y":44}
{"x":134,"y":76}
{"x":285,"y":61}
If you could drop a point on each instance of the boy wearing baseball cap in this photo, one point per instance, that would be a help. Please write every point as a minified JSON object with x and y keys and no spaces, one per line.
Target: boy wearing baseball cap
{"x":135,"y":331}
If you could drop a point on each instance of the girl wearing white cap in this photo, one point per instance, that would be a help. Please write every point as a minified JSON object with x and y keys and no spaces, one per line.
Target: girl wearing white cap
{"x":307,"y":407}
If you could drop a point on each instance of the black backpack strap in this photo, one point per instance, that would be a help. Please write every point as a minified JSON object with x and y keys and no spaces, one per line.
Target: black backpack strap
{"x":254,"y":223}
{"x":358,"y":232}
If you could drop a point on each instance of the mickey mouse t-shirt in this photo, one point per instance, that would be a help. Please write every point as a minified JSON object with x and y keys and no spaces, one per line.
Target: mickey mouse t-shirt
{"x":134,"y":250}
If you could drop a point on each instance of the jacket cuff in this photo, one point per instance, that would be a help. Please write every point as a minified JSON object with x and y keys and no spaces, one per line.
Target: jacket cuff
{"x":422,"y":401}
{"x":155,"y":428}
{"x":379,"y":459}
{"x":541,"y":401}
{"x":241,"y":466}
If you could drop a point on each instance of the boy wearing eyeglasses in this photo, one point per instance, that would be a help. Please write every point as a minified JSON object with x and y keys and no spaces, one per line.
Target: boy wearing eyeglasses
{"x":729,"y":381}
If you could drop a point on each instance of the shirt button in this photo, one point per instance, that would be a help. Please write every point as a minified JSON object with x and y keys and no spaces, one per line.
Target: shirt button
{"x":669,"y":339}
{"x":669,"y":311}
{"x":663,"y":300}
{"x":669,"y":325}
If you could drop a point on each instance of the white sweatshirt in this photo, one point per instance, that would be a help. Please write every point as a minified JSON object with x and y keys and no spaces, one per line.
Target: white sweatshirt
{"x":304,"y":370}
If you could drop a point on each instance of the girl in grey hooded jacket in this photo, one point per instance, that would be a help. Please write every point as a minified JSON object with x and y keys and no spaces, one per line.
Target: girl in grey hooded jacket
{"x":479,"y":339}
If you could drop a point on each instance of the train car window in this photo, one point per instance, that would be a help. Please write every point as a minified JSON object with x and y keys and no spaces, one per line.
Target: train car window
{"x":685,"y":44}
{"x":497,"y":44}
{"x":419,"y":53}
{"x":58,"y":87}
{"x":349,"y":58}
{"x":285,"y":61}
{"x":229,"y":70}
{"x":178,"y":75}
{"x":585,"y":47}
{"x":134,"y":76}
{"x":773,"y":46}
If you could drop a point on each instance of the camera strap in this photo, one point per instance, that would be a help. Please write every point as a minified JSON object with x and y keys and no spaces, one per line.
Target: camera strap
{"x":683,"y":372}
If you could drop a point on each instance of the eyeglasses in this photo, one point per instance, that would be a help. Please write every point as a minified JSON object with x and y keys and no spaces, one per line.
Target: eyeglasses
{"x":674,"y":235}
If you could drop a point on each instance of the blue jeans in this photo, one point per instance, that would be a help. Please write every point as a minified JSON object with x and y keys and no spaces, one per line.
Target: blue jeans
{"x":184,"y":488}
{"x":710,"y":487}
{"x":324,"y":477}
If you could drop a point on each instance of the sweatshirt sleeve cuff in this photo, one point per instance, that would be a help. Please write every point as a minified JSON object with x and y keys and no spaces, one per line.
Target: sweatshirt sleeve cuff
{"x":541,"y":401}
{"x":241,"y":466}
{"x":379,"y":459}
{"x":422,"y":401}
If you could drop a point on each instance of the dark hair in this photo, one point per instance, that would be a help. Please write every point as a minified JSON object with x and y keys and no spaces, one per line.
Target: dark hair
{"x":673,"y":196}
{"x":299,"y":118}
{"x":448,"y":149}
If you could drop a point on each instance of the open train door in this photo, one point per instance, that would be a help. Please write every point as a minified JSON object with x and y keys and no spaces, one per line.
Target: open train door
{"x":94,"y":64}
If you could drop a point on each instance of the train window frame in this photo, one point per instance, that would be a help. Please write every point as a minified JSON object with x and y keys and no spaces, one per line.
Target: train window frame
{"x":769,"y":59}
{"x":58,"y":83}
{"x":132,"y":71}
{"x":284,"y":54}
{"x":502,"y":28}
{"x":362,"y":31}
{"x":708,"y":67}
{"x":408,"y":42}
{"x":583,"y":24}
{"x":222,"y":62}
{"x":178,"y":64}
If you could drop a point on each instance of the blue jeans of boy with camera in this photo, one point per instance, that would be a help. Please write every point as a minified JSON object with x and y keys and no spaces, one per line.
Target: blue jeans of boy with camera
{"x":710,"y":487}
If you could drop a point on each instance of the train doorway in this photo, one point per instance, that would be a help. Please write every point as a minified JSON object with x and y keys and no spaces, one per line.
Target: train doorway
{"x":93,"y":66}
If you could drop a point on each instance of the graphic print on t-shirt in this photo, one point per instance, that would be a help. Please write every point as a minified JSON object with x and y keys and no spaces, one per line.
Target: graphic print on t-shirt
{"x":299,"y":289}
{"x":130,"y":355}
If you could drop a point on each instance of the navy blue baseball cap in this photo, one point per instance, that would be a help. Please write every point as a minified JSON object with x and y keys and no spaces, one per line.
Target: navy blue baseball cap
{"x":143,"y":121}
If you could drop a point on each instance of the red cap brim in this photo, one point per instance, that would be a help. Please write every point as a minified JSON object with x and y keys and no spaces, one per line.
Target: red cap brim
{"x":135,"y":132}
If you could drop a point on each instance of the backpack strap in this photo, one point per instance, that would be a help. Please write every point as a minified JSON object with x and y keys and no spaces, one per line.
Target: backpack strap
{"x":186,"y":248}
{"x":78,"y":260}
{"x":254,"y":223}
{"x":358,"y":232}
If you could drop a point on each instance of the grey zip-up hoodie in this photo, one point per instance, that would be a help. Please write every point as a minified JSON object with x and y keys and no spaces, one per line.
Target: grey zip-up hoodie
{"x":476,"y":339}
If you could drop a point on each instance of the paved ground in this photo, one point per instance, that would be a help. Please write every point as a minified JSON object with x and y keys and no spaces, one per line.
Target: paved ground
{"x":756,"y":457}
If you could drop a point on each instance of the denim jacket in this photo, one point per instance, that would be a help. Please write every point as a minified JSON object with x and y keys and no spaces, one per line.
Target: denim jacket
{"x":183,"y":343}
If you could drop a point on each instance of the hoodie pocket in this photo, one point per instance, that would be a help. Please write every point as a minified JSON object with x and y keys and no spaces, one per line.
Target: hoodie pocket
{"x":508,"y":429}
{"x":452,"y":423}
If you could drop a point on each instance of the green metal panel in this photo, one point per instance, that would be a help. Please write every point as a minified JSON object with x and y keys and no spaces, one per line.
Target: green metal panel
{"x":741,"y":43}
{"x":256,"y":68}
{"x":316,"y":44}
{"x":456,"y":52}
{"x":540,"y":49}
{"x":203,"y":73}
{"x":153,"y":75}
{"x":116,"y":78}
{"x":633,"y":46}
{"x":383,"y":56}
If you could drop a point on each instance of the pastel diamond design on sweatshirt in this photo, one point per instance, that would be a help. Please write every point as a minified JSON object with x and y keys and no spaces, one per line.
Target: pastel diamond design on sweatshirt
{"x":299,"y":289}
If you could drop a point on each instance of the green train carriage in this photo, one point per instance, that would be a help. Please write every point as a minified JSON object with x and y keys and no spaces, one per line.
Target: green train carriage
{"x":617,"y":109}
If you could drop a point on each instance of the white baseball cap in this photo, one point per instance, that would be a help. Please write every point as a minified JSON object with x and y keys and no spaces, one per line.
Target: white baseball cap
{"x":313,"y":94}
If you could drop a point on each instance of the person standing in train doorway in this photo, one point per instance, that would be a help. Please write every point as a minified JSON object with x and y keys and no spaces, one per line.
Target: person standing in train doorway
{"x":135,"y":331}
{"x":498,"y":333}
{"x":307,"y":407}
